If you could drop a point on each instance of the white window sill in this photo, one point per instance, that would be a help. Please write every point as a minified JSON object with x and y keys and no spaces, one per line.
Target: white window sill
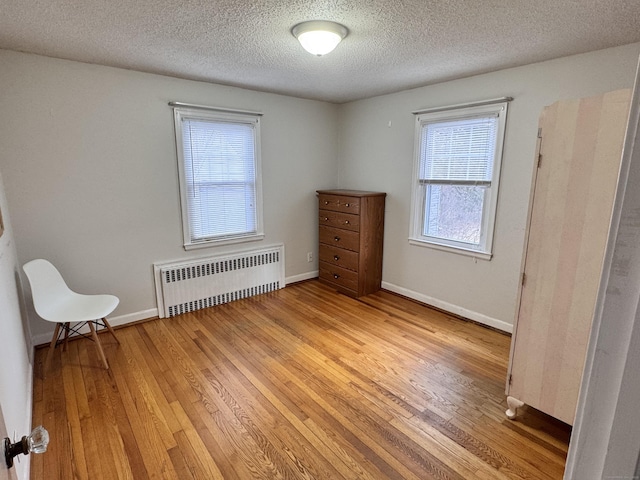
{"x":469,"y":252}
{"x":226,"y":241}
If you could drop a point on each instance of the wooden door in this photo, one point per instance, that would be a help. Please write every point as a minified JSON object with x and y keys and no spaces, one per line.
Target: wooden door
{"x":580,"y":150}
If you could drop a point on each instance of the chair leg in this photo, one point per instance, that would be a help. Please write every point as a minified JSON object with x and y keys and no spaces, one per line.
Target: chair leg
{"x":98,"y":345}
{"x":52,"y":347}
{"x":66,"y":336}
{"x":106,"y":324}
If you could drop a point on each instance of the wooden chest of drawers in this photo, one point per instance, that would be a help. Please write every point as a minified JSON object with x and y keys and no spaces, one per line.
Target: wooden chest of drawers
{"x":351,"y":224}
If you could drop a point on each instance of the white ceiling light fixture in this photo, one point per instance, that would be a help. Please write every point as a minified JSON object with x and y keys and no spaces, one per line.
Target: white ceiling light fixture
{"x":319,"y":37}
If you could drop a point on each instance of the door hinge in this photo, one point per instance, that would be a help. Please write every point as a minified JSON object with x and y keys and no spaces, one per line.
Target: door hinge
{"x":539,"y":146}
{"x":524,"y":279}
{"x":510,"y":379}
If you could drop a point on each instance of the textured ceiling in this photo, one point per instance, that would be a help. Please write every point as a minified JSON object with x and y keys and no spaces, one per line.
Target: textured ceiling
{"x":392,"y":45}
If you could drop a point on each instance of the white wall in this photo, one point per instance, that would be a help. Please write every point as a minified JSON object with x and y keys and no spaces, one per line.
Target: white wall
{"x":15,"y":349}
{"x":91,"y":176}
{"x":88,"y":160}
{"x":376,"y":156}
{"x":88,"y":155}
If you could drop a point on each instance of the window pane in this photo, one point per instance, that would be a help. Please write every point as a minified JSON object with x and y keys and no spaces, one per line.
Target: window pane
{"x":223,"y":210}
{"x":459,"y":149}
{"x":220,"y":176}
{"x":218,"y":152}
{"x":454,"y":212}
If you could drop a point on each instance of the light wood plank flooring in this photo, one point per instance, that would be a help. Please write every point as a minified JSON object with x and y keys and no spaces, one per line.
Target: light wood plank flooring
{"x":302,"y":383}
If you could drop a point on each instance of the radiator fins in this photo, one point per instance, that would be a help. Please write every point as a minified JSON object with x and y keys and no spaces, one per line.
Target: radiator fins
{"x":195,"y":271}
{"x":206,"y":282}
{"x":222,"y":298}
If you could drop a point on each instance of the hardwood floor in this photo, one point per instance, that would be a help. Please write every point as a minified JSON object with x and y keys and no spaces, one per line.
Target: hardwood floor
{"x":302,"y":383}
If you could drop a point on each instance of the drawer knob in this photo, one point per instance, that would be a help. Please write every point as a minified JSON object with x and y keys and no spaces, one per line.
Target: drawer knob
{"x":336,"y":258}
{"x":326,"y":219}
{"x":326,"y":203}
{"x":346,"y":222}
{"x":336,"y":276}
{"x":346,"y":204}
{"x":336,"y":238}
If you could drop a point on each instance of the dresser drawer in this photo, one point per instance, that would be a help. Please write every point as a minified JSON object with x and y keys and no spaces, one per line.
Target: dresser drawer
{"x":339,"y":276}
{"x":348,"y":221}
{"x":338,"y":257}
{"x":339,"y":203}
{"x":340,"y":238}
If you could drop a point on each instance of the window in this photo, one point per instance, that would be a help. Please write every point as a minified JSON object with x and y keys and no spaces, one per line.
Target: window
{"x":457,"y":168}
{"x":219,"y":169}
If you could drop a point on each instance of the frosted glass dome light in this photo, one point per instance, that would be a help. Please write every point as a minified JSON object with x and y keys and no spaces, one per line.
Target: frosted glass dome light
{"x":319,"y":37}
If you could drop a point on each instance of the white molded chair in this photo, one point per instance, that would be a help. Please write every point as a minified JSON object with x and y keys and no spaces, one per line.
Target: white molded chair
{"x":55,"y":302}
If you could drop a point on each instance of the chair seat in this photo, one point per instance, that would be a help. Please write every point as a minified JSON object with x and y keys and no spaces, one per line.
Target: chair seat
{"x":76,"y":307}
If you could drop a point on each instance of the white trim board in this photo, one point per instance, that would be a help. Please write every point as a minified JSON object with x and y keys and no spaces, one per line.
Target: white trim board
{"x":45,"y":338}
{"x":449,"y":307}
{"x":301,"y":277}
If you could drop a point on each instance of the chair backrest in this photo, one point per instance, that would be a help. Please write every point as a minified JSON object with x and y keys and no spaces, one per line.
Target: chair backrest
{"x":48,"y":288}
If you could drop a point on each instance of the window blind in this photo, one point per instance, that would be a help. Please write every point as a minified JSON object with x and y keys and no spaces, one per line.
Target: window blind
{"x":220,"y":174}
{"x":458,"y":152}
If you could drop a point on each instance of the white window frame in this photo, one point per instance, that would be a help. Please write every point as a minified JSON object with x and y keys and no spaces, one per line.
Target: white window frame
{"x":484,"y":250}
{"x":222,"y":115}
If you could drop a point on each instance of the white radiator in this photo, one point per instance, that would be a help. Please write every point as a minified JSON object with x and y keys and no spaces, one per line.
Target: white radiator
{"x":190,"y":285}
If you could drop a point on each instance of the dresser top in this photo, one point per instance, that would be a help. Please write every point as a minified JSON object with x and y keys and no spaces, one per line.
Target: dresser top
{"x":352,"y":193}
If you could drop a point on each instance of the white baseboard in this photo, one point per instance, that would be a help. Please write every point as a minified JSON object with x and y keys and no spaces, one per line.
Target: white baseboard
{"x":133,"y":317}
{"x":449,"y":307}
{"x":43,"y":338}
{"x":301,"y":277}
